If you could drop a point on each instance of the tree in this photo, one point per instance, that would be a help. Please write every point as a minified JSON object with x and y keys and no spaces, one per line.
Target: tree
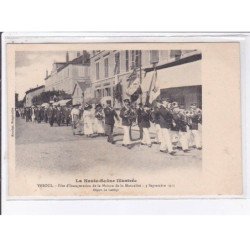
{"x":47,"y":96}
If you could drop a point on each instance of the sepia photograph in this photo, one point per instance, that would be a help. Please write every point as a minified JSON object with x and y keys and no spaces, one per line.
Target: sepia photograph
{"x":106,"y":122}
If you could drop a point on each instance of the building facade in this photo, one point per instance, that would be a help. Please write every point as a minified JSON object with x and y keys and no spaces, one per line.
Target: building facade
{"x":32,"y":93}
{"x":109,"y":67}
{"x":64,"y":75}
{"x":79,"y":92}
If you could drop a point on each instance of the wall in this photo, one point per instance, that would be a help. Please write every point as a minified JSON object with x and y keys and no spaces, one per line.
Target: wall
{"x":67,"y":78}
{"x":165,"y":56}
{"x":30,"y":95}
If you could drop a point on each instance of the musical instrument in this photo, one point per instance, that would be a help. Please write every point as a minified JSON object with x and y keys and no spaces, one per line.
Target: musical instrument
{"x":99,"y":115}
{"x":174,"y":105}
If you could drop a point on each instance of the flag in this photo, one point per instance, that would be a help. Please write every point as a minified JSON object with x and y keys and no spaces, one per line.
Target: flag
{"x":118,"y":92}
{"x":136,"y":94}
{"x":154,"y":89}
{"x":133,"y":86}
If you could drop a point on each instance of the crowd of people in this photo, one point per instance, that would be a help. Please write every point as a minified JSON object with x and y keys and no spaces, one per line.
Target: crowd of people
{"x":58,"y":114}
{"x":175,"y":126}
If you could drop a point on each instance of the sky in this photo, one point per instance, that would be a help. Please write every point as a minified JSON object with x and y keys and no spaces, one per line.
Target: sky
{"x":31,"y":68}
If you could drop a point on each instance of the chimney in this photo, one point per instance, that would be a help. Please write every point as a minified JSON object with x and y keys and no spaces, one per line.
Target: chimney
{"x":47,"y":73}
{"x":67,"y":56}
{"x":78,"y":53}
{"x":86,"y":57}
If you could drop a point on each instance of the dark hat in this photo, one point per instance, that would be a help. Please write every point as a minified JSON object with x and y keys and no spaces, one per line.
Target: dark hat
{"x":126,"y":100}
{"x":108,"y":101}
{"x":98,"y":106}
{"x":87,"y":106}
{"x":147,"y":105}
{"x":140,"y":104}
{"x":158,"y":100}
{"x":166,"y":99}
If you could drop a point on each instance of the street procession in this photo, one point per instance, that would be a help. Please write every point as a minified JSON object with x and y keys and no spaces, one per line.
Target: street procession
{"x":168,"y":115}
{"x":174,"y":127}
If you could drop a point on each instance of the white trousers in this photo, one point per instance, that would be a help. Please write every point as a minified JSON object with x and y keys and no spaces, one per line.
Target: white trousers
{"x":158,"y":133}
{"x":166,"y":143}
{"x":183,"y":140}
{"x":126,"y":137}
{"x":197,"y":138}
{"x":146,"y":137}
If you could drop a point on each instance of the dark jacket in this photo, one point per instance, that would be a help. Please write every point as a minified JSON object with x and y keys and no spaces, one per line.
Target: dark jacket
{"x":139,"y":116}
{"x":182,"y":123}
{"x":145,"y":122}
{"x":165,"y":118}
{"x":156,"y":115}
{"x":125,"y":114}
{"x":50,"y":112}
{"x":176,"y":119}
{"x":109,"y":116}
{"x":59,"y":113}
{"x":194,"y":122}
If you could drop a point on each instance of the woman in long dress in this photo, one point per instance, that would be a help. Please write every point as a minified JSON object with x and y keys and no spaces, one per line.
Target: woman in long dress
{"x":88,"y":120}
{"x":75,"y":118}
{"x":99,"y":120}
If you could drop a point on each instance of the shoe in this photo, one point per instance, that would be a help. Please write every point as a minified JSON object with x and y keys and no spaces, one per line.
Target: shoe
{"x":172,"y":153}
{"x":155,"y":142}
{"x":112,"y":142}
{"x":124,"y":145}
{"x":143,"y":143}
{"x":163,"y":151}
{"x":129,"y":146}
{"x":186,"y":150}
{"x":200,"y":148}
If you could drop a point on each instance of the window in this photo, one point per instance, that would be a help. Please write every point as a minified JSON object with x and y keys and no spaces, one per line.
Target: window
{"x":176,"y":54}
{"x":133,"y":58}
{"x":106,"y":67}
{"x":137,"y":58}
{"x":154,"y":56}
{"x":98,"y":93}
{"x":107,"y":92}
{"x":97,"y":71}
{"x":117,"y":63}
{"x":127,"y":60}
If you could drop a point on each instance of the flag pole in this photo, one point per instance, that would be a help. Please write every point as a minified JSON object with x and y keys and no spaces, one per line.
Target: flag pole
{"x":140,"y":75}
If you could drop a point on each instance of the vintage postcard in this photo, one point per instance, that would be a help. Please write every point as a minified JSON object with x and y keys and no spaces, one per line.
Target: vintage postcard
{"x":109,"y":120}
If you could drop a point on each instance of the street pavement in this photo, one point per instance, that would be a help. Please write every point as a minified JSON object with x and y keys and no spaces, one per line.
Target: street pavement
{"x":56,"y":149}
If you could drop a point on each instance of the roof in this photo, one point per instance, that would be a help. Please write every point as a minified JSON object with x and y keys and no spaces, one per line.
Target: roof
{"x":82,"y":84}
{"x":81,"y":60}
{"x":34,"y":89}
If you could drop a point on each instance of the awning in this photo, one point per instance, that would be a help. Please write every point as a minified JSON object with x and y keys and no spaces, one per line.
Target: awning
{"x":188,"y":74}
{"x":62,"y":102}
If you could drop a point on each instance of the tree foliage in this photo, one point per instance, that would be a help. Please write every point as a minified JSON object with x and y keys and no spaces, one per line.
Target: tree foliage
{"x":47,"y":96}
